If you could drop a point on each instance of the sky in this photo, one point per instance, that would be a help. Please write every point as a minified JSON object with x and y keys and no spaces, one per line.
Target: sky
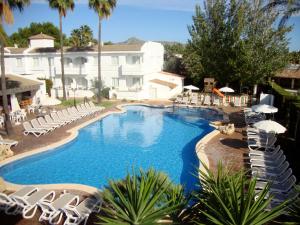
{"x":155,"y":20}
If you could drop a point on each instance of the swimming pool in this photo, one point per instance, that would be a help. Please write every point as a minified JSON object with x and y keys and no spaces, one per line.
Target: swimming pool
{"x":162,"y":138}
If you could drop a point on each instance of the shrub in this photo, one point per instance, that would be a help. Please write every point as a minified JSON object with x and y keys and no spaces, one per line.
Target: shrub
{"x":139,"y":199}
{"x":230,"y":198}
{"x":49,"y":85}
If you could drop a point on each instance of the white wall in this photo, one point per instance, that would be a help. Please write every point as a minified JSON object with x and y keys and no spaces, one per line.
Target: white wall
{"x":41,"y":43}
{"x":38,"y":65}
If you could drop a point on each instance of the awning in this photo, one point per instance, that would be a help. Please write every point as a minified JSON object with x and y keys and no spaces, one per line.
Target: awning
{"x":164,"y":83}
{"x":16,"y":84}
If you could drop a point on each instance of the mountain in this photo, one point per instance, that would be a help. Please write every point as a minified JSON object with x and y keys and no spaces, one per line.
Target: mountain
{"x":132,"y":40}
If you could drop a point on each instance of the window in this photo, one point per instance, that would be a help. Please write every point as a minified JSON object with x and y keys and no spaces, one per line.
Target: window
{"x":36,"y":62}
{"x":19,"y":62}
{"x":136,"y":81}
{"x":133,"y":82}
{"x":115,"y":60}
{"x":115,"y":82}
{"x":133,"y":59}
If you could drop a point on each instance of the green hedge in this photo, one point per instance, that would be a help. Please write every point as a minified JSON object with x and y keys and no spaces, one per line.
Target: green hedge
{"x":282,"y":91}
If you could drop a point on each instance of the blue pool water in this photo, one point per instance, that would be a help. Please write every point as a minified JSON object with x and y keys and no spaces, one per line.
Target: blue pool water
{"x":162,"y":138}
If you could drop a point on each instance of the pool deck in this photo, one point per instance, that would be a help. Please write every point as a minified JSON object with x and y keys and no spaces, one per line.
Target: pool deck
{"x":212,"y":149}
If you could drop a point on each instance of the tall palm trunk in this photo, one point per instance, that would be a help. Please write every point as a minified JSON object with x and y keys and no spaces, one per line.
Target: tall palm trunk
{"x":7,"y":122}
{"x":99,"y":61}
{"x":62,"y":57}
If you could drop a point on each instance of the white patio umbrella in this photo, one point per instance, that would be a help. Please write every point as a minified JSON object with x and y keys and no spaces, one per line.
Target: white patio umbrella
{"x":264,"y":108}
{"x":226,"y":90}
{"x":191,"y":88}
{"x":270,"y":126}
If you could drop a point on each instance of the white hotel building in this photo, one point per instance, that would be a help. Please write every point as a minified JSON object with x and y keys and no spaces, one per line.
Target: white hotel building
{"x":131,"y":71}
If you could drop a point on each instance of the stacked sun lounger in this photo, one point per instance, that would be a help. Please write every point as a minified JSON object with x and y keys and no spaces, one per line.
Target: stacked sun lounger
{"x":268,"y":162}
{"x":28,"y":199}
{"x":252,"y":117}
{"x":48,"y":123}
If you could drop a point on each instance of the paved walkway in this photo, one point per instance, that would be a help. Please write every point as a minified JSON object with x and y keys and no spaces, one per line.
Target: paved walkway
{"x":229,"y":149}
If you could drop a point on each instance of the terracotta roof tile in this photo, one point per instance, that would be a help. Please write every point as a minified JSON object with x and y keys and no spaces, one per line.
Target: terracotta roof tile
{"x":164,"y":83}
{"x":171,"y":74}
{"x":14,"y":50}
{"x":105,"y":48}
{"x":41,"y":36}
{"x":289,"y":74}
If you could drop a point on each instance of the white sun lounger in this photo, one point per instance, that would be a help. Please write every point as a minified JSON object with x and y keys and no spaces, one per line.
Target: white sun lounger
{"x":185,"y":100}
{"x":30,"y":130}
{"x":278,"y":187}
{"x":261,"y":144}
{"x":216,"y":101}
{"x":49,"y":120}
{"x":291,"y":195}
{"x":80,"y":110}
{"x":73,"y":110}
{"x":268,"y":171}
{"x":8,"y":142}
{"x":63,"y":117}
{"x":177,"y":100}
{"x":9,"y":202}
{"x":52,"y":211}
{"x":269,"y":151}
{"x":194,"y":100}
{"x":274,"y":163}
{"x":92,"y":105}
{"x":278,"y":178}
{"x":83,"y":106}
{"x":270,"y":157}
{"x":58,"y":119}
{"x":77,"y":214}
{"x":74,"y":114}
{"x":207,"y":100}
{"x":88,"y":107}
{"x":68,"y":115}
{"x":37,"y":125}
{"x":28,"y":206}
{"x":44,"y":123}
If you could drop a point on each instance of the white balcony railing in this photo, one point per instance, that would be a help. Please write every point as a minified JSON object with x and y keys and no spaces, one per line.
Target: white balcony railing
{"x":135,"y":70}
{"x":73,"y":70}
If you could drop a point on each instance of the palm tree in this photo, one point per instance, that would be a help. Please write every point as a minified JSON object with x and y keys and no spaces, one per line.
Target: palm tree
{"x":62,"y":6}
{"x":6,"y":7}
{"x":289,"y":8}
{"x":104,"y":9}
{"x":86,"y":35}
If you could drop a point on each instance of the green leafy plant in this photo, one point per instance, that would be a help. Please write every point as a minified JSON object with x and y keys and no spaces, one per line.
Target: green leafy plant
{"x":139,"y":199}
{"x":231,"y":198}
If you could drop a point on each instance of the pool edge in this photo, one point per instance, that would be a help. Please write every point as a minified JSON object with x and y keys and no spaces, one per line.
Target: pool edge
{"x":74,"y":133}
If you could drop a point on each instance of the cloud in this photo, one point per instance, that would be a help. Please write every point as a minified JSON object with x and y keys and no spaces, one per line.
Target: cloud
{"x":177,"y":5}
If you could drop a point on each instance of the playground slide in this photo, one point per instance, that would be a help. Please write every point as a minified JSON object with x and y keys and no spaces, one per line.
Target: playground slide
{"x":217,"y":92}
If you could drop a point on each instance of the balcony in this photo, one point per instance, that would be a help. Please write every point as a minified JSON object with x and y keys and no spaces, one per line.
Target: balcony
{"x":82,"y":70}
{"x":134,"y":70}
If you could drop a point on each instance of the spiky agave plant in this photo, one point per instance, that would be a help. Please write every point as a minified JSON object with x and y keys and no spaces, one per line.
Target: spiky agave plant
{"x":137,"y":200}
{"x":293,"y":210}
{"x":231,"y":198}
{"x":175,"y":195}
